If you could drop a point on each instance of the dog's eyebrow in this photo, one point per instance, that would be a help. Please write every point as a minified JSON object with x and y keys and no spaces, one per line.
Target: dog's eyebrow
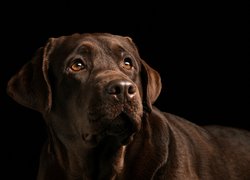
{"x":122,"y":46}
{"x":119,"y":49}
{"x":86,"y":43}
{"x":84,"y":48}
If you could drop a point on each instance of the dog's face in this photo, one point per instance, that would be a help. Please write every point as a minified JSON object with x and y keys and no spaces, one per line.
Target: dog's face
{"x":91,"y":86}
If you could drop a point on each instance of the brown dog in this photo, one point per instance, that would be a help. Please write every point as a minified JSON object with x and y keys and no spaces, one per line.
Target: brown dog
{"x":96,"y":96}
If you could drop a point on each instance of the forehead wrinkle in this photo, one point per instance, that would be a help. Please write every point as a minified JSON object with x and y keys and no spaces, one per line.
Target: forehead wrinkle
{"x":89,"y":42}
{"x":107,"y":54}
{"x":115,"y":44}
{"x":100,"y":45}
{"x":120,"y":46}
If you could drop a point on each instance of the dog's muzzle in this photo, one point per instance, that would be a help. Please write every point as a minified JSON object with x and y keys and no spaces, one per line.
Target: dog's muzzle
{"x":115,"y":112}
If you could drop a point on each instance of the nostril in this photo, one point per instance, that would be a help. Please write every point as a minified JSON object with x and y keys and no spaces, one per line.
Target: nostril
{"x":114,"y":89}
{"x":131,"y":89}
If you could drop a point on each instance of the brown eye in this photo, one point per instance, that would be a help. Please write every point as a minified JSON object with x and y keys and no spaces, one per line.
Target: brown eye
{"x":78,"y":65}
{"x":127,"y":63}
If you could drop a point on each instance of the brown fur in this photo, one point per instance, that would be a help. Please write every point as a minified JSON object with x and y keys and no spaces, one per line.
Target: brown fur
{"x":96,"y":95}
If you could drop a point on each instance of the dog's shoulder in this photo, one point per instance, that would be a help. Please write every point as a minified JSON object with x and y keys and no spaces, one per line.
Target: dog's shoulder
{"x":226,"y":131}
{"x":181,"y":127}
{"x":231,"y":136}
{"x":220,"y":148}
{"x":215,"y":135}
{"x":176,"y":122}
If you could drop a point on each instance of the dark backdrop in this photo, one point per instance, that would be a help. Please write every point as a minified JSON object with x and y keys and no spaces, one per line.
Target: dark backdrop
{"x":200,"y":49}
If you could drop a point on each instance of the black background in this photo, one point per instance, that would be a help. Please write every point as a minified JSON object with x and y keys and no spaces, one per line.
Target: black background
{"x":199,"y":48}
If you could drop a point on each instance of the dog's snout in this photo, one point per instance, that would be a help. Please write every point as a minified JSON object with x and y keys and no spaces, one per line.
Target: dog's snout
{"x":121,"y":89}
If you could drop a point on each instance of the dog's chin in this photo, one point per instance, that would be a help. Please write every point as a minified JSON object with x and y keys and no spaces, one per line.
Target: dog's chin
{"x":122,"y":129}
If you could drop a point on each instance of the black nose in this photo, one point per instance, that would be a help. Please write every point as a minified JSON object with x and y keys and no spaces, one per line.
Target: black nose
{"x":121,"y":89}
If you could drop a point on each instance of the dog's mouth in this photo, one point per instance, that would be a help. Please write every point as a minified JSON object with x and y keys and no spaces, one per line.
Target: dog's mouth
{"x":122,"y":128}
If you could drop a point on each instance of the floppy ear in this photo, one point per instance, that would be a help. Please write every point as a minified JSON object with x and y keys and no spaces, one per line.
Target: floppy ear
{"x":30,"y":86}
{"x":151,"y":85}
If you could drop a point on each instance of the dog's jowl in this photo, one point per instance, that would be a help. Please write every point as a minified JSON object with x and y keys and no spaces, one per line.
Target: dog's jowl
{"x":96,"y":95}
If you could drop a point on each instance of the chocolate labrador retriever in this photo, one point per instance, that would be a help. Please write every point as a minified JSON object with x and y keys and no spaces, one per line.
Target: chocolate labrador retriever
{"x":96,"y":95}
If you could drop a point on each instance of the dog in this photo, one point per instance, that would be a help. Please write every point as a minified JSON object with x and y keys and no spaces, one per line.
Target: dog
{"x":97,"y":96}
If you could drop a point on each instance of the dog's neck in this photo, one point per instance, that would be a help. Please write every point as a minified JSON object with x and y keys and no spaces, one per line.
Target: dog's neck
{"x":108,"y":160}
{"x":105,"y":161}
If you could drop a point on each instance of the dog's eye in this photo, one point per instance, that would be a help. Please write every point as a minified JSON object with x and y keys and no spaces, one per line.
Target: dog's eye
{"x":77,"y":65}
{"x":127,"y":63}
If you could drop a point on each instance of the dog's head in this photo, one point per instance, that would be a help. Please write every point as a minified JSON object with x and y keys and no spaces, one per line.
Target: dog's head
{"x":88,"y":85}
